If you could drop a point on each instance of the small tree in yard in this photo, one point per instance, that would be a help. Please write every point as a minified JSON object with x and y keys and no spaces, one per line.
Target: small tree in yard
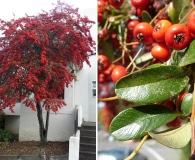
{"x":38,"y":56}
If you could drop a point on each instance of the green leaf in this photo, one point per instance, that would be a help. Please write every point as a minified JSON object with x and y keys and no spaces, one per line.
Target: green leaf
{"x":189,"y":57}
{"x":186,"y":104}
{"x":172,"y":13}
{"x":176,"y":57}
{"x":185,"y":152}
{"x":152,"y":85}
{"x":108,"y":50}
{"x":134,"y":122}
{"x":177,"y":138}
{"x":146,"y":16}
{"x":155,"y":65}
{"x":179,"y":6}
{"x":143,"y":58}
{"x":186,"y":7}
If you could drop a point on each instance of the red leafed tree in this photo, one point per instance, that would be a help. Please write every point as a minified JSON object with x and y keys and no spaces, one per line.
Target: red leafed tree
{"x":38,"y":55}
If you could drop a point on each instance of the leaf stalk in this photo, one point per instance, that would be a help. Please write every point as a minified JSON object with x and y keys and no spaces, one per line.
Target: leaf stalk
{"x":137,"y":148}
{"x":108,"y":99}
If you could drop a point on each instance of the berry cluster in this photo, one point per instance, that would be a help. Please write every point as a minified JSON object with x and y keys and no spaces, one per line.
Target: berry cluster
{"x":125,"y":36}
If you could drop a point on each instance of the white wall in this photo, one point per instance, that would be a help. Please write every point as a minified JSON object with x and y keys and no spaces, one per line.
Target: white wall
{"x":74,"y":145}
{"x":61,"y":124}
{"x":83,"y":90}
{"x":92,"y":109}
{"x":60,"y":128}
{"x":16,"y":110}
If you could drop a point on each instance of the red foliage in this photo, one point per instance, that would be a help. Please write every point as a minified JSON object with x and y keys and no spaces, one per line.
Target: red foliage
{"x":38,"y":53}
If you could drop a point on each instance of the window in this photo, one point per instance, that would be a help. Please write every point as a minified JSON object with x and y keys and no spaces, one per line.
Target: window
{"x":93,"y":88}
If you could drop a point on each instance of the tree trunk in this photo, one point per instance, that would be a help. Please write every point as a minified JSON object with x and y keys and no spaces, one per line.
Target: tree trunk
{"x":42,"y":130}
{"x":47,"y":124}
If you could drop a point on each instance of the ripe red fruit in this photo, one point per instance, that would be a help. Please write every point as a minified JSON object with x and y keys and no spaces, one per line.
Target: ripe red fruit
{"x":178,"y":37}
{"x":170,"y":104}
{"x":174,"y":123}
{"x":118,"y":72}
{"x":160,"y":29}
{"x":103,"y":63}
{"x":101,"y":6}
{"x":131,"y":24}
{"x":103,"y":34}
{"x":191,"y":22}
{"x":161,"y":52}
{"x":142,"y":4}
{"x":192,"y":36}
{"x":100,"y":17}
{"x":143,"y":32}
{"x":116,"y":3}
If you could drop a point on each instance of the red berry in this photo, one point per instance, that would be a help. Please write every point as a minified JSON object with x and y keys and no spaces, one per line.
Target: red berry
{"x":160,"y":29}
{"x":103,"y":34}
{"x":118,"y":72}
{"x":142,"y":4}
{"x":161,"y":52}
{"x":174,"y":123}
{"x":170,"y":104}
{"x":101,"y":6}
{"x":100,"y":17}
{"x":116,"y":3}
{"x":191,"y":22}
{"x":178,"y":37}
{"x":131,"y":24}
{"x":103,"y":63}
{"x":143,"y":32}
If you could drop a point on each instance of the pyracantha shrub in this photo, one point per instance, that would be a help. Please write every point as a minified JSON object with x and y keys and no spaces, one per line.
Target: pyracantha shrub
{"x":38,"y":56}
{"x":38,"y":53}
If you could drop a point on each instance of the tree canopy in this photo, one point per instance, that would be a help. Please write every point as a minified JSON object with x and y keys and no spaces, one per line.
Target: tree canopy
{"x":38,"y":55}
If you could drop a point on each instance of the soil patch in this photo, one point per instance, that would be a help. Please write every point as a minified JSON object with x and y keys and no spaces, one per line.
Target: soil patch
{"x":33,"y":148}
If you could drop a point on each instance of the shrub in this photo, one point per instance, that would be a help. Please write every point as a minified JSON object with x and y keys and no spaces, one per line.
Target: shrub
{"x":5,"y":136}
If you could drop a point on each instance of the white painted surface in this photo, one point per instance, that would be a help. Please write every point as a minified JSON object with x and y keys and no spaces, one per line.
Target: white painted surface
{"x":61,"y":123}
{"x":92,"y":100}
{"x":74,"y":146}
{"x":61,"y":126}
{"x":83,"y":90}
{"x":16,"y":110}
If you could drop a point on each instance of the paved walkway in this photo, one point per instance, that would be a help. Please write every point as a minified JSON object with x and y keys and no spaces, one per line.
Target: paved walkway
{"x":151,"y":149}
{"x":65,"y":157}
